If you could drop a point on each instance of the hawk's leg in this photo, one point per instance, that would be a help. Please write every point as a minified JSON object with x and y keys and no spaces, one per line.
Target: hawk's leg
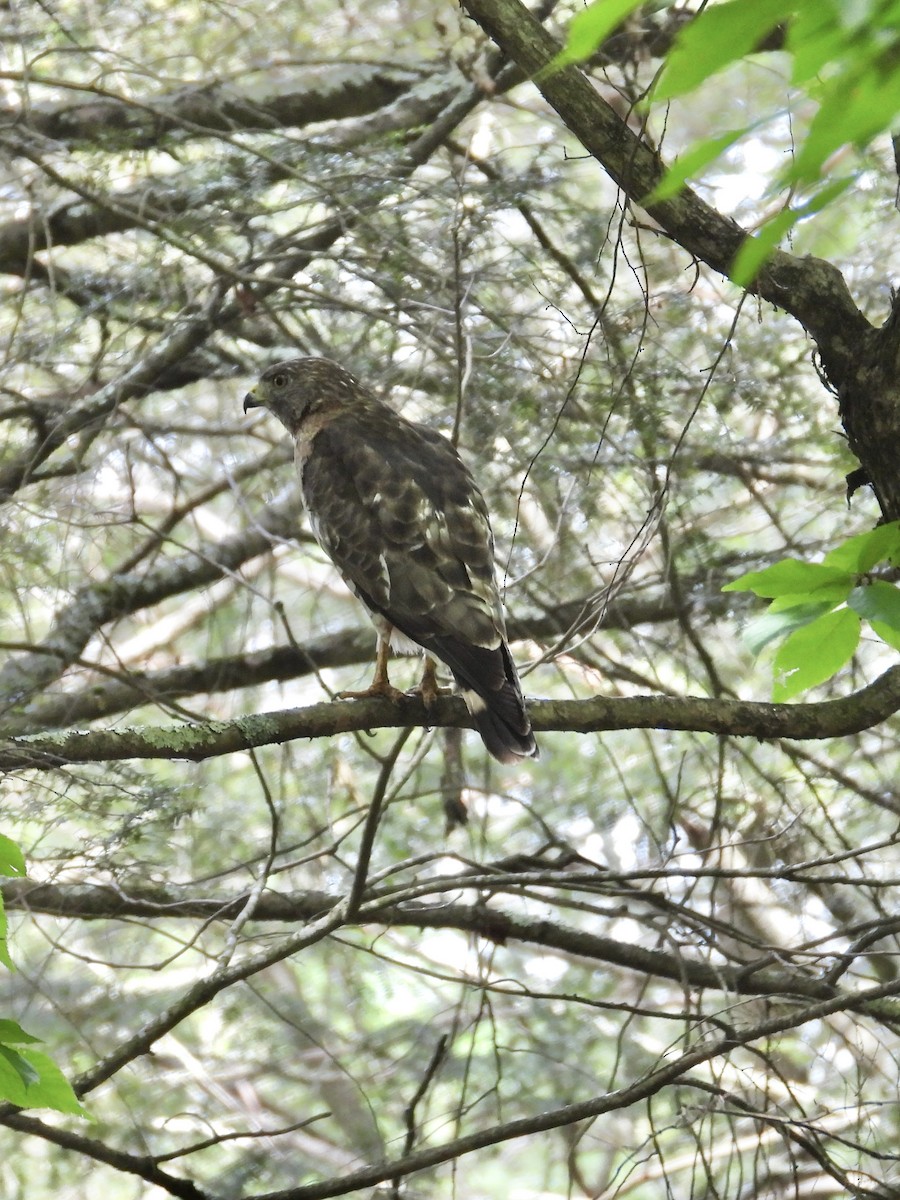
{"x":381,"y":684}
{"x":429,"y":689}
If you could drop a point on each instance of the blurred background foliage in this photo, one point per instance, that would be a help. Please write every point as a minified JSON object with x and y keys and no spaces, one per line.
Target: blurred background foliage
{"x":192,"y":191}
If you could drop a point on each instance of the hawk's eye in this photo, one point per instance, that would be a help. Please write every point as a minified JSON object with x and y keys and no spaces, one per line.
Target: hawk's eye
{"x":279,"y":380}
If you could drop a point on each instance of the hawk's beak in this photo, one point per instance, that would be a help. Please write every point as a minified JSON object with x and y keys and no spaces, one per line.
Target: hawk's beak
{"x":251,"y":400}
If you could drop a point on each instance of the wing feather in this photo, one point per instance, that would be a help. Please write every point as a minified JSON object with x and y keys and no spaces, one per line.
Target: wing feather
{"x":401,"y":517}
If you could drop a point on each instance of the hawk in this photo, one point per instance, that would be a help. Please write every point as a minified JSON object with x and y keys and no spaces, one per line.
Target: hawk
{"x":398,"y":513}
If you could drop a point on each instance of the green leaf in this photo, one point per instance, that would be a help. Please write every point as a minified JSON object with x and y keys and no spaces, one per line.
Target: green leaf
{"x":791,"y":577}
{"x":53,"y":1089}
{"x":815,"y":653}
{"x":4,"y":950}
{"x":829,"y":595}
{"x":589,"y":29}
{"x":12,"y":861}
{"x":815,"y":38}
{"x":775,"y":624}
{"x":877,"y":601}
{"x":860,"y":553}
{"x":11,"y":1032}
{"x":887,"y":633}
{"x":692,"y":162}
{"x":16,"y":1075}
{"x":30,"y":1079}
{"x":757,"y":248}
{"x":720,"y":35}
{"x":850,"y":114}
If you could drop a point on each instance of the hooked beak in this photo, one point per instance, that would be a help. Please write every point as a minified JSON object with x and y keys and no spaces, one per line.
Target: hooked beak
{"x":251,"y":400}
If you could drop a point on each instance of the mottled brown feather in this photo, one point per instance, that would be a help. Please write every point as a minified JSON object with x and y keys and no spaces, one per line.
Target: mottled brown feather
{"x":401,"y":517}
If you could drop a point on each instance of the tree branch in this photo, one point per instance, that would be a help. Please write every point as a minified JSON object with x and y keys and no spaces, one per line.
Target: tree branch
{"x":812,"y":290}
{"x":200,"y":740}
{"x":284,"y":98}
{"x":386,"y":910}
{"x":349,"y":646}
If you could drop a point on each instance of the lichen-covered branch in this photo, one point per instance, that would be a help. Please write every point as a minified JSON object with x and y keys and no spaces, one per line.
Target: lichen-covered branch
{"x":282,"y":98}
{"x":97,"y":603}
{"x":211,"y":739}
{"x":859,"y":360}
{"x":351,"y":646}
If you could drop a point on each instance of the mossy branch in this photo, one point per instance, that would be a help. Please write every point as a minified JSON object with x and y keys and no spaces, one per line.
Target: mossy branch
{"x":200,"y":740}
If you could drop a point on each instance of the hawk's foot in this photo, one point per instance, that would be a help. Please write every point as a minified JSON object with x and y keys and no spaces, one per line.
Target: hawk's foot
{"x":381,"y":685}
{"x":382,"y":688}
{"x":428,"y":688}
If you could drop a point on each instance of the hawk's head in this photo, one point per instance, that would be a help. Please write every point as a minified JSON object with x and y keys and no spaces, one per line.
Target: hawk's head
{"x":299,"y":387}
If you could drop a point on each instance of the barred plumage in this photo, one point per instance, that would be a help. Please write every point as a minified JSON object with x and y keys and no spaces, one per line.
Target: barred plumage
{"x":399,"y":514}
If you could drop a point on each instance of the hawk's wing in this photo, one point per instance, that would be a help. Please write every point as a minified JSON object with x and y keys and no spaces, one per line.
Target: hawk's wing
{"x":402,"y":519}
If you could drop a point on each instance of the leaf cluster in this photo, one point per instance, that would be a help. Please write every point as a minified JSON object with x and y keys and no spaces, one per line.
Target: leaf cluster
{"x":844,"y":58}
{"x":29,"y":1078}
{"x":818,"y":609}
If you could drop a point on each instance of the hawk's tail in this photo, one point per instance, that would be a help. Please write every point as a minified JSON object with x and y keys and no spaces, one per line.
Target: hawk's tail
{"x":506,"y":742}
{"x":498,"y":710}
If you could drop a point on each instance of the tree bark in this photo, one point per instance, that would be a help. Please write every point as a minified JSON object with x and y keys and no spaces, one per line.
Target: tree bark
{"x":859,"y":361}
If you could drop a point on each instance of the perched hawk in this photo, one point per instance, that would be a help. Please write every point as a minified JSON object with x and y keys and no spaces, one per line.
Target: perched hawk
{"x":400,"y":516}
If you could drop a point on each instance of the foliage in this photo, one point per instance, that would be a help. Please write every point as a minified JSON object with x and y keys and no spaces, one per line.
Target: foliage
{"x":818,"y":608}
{"x":290,"y":945}
{"x":844,"y":59}
{"x":12,"y":863}
{"x":28,"y":1078}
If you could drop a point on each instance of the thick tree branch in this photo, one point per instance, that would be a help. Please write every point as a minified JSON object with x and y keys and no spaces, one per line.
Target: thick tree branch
{"x":351,"y":646}
{"x":282,"y":98}
{"x":211,"y":739}
{"x":95,"y":604}
{"x":813,"y":290}
{"x":104,"y":902}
